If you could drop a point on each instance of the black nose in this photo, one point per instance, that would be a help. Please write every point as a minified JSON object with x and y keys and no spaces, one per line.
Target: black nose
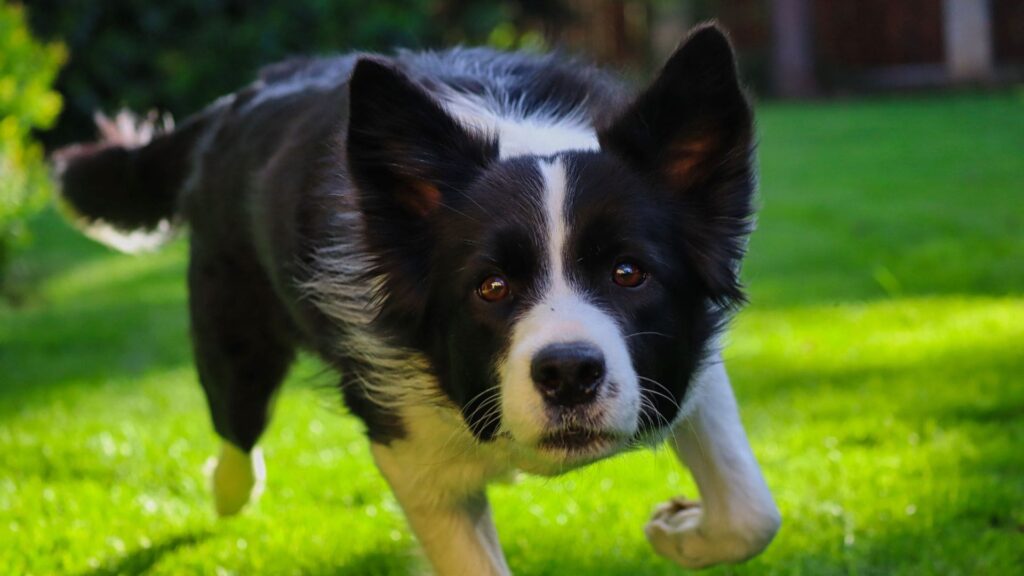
{"x":568,"y":374}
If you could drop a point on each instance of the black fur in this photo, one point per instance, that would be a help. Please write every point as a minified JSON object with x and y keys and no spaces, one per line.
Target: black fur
{"x":409,"y":158}
{"x":691,"y":132}
{"x":364,"y":163}
{"x":129,"y":187}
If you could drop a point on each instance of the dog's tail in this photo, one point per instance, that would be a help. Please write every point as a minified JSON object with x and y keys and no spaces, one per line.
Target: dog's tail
{"x":124,"y":190}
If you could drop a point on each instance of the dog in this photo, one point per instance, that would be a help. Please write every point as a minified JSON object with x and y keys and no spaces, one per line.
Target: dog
{"x":515,"y":262}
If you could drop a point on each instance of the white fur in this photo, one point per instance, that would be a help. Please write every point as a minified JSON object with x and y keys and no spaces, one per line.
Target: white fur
{"x":520,"y":134}
{"x":317,"y":79}
{"x":565,"y":315}
{"x":438,"y":474}
{"x":129,"y":130}
{"x":437,"y":464}
{"x":391,"y":376}
{"x":129,"y":242}
{"x":737,"y":518}
{"x":236,"y":478}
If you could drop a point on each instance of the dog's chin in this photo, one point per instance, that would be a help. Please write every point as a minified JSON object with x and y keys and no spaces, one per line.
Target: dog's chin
{"x":547,"y":441}
{"x":566,"y":448}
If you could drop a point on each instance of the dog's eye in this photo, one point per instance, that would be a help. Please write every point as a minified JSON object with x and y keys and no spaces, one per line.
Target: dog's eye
{"x":493,"y":289}
{"x":628,"y":274}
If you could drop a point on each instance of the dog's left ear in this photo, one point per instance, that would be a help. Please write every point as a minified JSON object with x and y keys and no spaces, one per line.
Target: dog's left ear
{"x":691,"y":130}
{"x":405,"y":151}
{"x":409,"y":159}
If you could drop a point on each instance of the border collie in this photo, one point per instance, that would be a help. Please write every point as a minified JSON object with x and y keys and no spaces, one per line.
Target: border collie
{"x":514,"y":262}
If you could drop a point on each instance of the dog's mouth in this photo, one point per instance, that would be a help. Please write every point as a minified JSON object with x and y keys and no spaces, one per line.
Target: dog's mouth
{"x":576,"y":442}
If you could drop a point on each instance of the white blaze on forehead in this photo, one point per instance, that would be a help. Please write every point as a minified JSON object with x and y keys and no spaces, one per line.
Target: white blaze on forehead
{"x":555,"y":191}
{"x":520,"y":134}
{"x":542,"y":139}
{"x":562,"y":315}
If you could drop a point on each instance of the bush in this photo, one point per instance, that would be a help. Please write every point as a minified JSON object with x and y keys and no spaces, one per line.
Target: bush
{"x":27,"y":71}
{"x":178,"y":55}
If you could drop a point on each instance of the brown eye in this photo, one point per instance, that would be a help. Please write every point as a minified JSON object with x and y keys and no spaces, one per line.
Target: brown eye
{"x":628,"y":275}
{"x":493,"y":289}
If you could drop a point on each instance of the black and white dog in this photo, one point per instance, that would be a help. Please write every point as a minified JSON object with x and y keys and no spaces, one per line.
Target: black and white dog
{"x":515,"y":263}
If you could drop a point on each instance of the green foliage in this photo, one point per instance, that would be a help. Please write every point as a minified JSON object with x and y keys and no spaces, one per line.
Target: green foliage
{"x":886,"y":409}
{"x":178,"y":55}
{"x":27,"y":71}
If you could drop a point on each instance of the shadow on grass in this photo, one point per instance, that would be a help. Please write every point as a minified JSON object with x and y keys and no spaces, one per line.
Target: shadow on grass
{"x":769,"y":378}
{"x":953,"y":543}
{"x":377,"y":563}
{"x":387,"y":562}
{"x":142,"y":559}
{"x":1011,"y":412}
{"x":905,"y":545}
{"x":49,"y":349}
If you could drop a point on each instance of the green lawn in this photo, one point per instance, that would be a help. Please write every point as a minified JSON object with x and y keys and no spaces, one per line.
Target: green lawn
{"x":879,"y":368}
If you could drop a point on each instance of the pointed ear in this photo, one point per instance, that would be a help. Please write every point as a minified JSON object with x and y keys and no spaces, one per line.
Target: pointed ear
{"x":405,"y":152}
{"x":408,"y":158}
{"x":691,"y":130}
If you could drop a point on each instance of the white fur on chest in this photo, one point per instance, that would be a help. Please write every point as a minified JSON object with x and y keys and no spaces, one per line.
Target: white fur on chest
{"x":439,"y":450}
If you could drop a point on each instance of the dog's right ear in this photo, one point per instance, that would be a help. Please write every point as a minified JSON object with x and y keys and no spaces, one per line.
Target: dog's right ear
{"x":409,"y":159}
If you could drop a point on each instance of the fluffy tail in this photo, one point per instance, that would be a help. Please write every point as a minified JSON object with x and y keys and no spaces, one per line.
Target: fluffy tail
{"x":124,"y":189}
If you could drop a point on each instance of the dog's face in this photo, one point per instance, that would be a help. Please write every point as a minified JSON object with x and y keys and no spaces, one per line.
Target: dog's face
{"x":565,"y":300}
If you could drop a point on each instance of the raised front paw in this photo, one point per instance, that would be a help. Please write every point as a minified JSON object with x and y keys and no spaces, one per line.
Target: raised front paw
{"x":679,"y":531}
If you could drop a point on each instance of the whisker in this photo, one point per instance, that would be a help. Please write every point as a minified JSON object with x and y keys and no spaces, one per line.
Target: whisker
{"x":667,"y":394}
{"x":662,"y":334}
{"x":478,"y":205}
{"x":486,"y":404}
{"x":646,"y":414}
{"x":459,"y":212}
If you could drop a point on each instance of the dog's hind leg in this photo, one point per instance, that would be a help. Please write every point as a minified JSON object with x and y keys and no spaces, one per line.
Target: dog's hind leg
{"x":243,"y":348}
{"x":236,"y":478}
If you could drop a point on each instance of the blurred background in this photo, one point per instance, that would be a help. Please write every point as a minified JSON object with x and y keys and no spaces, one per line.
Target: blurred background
{"x":177,"y":55}
{"x":878,"y":365}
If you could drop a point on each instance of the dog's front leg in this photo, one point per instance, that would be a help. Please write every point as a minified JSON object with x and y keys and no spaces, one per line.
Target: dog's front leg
{"x":452,"y":522}
{"x":737,"y":517}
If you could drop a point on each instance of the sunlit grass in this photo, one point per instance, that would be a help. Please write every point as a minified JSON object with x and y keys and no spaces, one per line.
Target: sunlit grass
{"x":879,"y":369}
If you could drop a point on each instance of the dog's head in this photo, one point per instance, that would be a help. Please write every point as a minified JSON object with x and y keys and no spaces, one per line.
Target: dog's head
{"x":565,"y":301}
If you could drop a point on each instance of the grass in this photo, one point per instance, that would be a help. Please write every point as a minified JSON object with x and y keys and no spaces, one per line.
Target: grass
{"x":879,"y":369}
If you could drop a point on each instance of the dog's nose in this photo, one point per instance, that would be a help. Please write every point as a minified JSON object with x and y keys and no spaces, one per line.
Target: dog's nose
{"x":568,"y":374}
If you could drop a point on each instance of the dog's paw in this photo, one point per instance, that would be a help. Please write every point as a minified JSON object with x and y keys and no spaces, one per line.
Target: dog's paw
{"x":236,"y":478}
{"x":679,"y":531}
